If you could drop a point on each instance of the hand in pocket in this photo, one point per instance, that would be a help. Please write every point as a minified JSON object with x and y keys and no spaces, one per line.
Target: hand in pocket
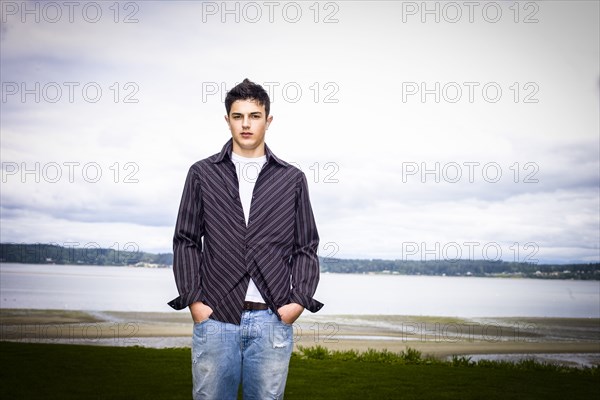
{"x":200,"y":311}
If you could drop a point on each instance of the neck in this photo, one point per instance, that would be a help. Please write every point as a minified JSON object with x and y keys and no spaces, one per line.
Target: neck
{"x":249,"y":153}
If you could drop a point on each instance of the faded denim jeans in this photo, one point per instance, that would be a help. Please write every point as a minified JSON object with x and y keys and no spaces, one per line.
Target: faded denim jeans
{"x":255,"y":353}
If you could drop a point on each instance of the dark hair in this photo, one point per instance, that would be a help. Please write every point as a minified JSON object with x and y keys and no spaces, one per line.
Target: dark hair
{"x":248,"y":90}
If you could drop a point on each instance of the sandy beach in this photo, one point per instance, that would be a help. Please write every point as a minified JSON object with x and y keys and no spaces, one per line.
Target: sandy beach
{"x":577,"y":339}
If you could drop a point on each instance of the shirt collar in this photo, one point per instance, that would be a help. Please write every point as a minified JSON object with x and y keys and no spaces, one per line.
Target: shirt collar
{"x":227,"y":148}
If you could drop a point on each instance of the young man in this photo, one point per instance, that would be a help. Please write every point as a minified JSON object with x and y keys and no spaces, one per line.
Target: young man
{"x":245,"y":257}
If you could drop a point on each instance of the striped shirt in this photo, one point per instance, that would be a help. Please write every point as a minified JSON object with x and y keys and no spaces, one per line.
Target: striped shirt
{"x":216,"y":253}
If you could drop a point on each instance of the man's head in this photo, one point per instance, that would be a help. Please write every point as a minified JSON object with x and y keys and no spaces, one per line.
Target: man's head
{"x":248,"y":90}
{"x":247,"y":106}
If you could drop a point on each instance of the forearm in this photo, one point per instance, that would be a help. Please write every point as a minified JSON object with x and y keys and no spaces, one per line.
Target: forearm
{"x":305,"y":262}
{"x":187,"y":244}
{"x":187,"y":261}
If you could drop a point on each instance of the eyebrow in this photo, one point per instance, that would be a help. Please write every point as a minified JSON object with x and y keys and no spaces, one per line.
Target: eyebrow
{"x":252,"y":113}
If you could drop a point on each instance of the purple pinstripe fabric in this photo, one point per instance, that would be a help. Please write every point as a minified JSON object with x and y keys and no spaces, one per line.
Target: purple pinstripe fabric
{"x":215,"y":253}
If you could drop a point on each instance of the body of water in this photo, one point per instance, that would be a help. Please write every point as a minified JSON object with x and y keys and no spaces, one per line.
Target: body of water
{"x":141,"y":289}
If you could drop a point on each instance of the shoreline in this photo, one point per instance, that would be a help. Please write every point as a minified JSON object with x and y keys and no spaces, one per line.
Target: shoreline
{"x":441,"y":337}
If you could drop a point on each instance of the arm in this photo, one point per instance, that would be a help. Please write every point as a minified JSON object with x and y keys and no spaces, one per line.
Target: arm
{"x":305,"y":263}
{"x":187,"y":243}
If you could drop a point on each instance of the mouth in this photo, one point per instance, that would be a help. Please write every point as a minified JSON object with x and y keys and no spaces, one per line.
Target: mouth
{"x":246,"y":134}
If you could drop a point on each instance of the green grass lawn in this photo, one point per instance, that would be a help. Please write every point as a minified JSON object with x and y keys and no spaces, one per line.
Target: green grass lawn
{"x":52,"y":371}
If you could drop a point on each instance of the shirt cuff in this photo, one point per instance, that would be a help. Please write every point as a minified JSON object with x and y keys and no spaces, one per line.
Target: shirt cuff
{"x":185,"y":299}
{"x":307,"y":302}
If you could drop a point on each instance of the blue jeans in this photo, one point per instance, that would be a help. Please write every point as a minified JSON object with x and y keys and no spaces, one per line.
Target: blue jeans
{"x":255,"y":353}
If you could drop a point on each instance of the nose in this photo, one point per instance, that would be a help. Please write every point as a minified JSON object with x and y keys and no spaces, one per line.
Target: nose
{"x":246,"y":122}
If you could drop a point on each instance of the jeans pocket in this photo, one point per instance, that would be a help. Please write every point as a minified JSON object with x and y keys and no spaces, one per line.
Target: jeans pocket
{"x":200,"y":323}
{"x":202,"y":330}
{"x":286,"y":324}
{"x":283,"y":335}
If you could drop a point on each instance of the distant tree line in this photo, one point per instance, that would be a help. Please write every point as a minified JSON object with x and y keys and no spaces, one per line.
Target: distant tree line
{"x":92,"y":254}
{"x":87,"y":254}
{"x":462,"y":268}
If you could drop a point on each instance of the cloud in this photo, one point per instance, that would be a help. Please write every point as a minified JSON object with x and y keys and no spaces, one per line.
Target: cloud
{"x":140,"y":102}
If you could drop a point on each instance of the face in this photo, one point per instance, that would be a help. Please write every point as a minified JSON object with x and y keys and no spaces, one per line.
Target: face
{"x":248,"y":123}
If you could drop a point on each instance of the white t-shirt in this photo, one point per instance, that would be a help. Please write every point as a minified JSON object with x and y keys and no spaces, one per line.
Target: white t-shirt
{"x":247,"y":171}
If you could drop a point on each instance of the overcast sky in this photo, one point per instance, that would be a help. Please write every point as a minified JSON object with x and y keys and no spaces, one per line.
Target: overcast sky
{"x":459,"y":130}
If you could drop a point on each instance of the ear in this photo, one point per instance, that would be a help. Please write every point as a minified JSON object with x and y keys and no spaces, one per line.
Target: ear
{"x":269,"y":119}
{"x":227,"y":120}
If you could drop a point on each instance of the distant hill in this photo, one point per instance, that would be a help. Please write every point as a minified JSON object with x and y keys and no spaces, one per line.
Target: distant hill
{"x":485,"y":268}
{"x":93,"y":255}
{"x":88,"y":254}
